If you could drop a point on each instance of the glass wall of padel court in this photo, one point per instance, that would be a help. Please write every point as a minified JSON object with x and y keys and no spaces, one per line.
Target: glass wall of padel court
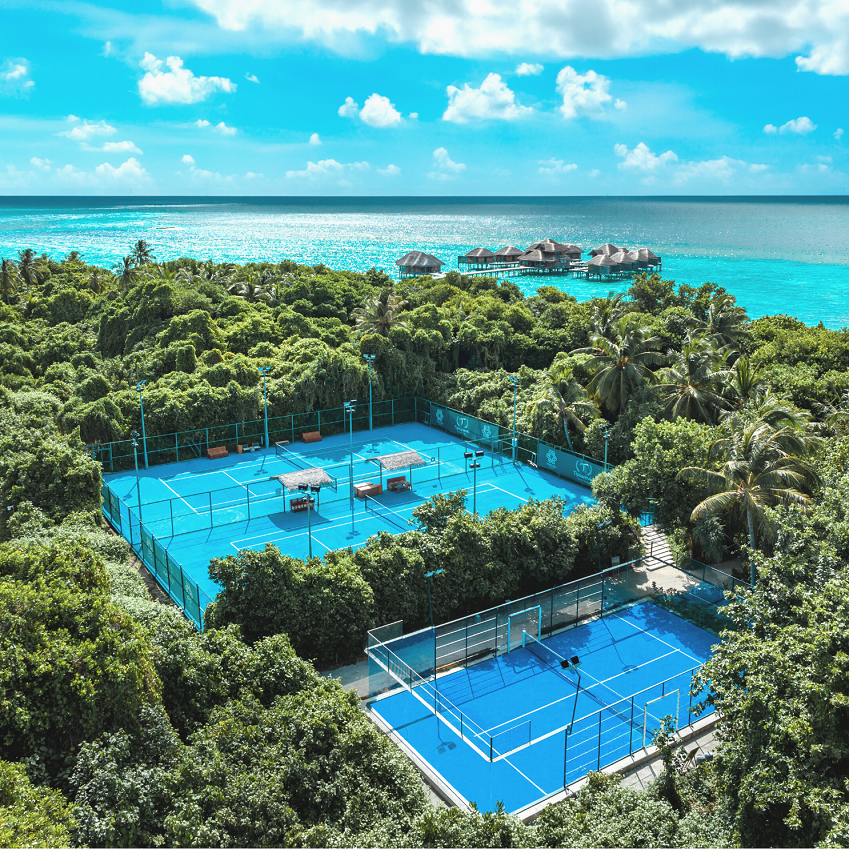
{"x":514,"y":703}
{"x":151,"y":529}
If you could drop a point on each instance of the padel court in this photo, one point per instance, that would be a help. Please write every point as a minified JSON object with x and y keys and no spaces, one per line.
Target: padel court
{"x":199,"y":509}
{"x":494,"y":709}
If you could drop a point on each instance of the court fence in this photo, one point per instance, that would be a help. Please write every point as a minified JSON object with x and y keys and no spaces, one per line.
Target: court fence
{"x":170,"y":575}
{"x":416,"y":662}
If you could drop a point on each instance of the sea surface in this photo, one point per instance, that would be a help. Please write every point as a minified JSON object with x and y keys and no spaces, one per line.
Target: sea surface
{"x":777,"y":255}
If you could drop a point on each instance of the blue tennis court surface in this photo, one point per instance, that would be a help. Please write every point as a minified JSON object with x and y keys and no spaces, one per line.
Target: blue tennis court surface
{"x":518,"y":727}
{"x":200,"y":509}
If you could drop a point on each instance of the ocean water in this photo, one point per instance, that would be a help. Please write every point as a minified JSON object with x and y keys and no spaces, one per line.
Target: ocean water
{"x":777,"y":255}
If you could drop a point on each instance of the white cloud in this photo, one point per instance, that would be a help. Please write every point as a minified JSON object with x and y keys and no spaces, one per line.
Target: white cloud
{"x":526,"y":70}
{"x":107,"y":49}
{"x":177,"y":84}
{"x":799,"y":126}
{"x":620,"y":104}
{"x":222,"y":128}
{"x":120,"y":147}
{"x":389,"y":171}
{"x":251,"y":78}
{"x":315,"y":138}
{"x":838,"y":133}
{"x":130,"y":171}
{"x":187,"y":159}
{"x":446,"y":167}
{"x":377,"y":111}
{"x":86,"y":130}
{"x":492,"y":100}
{"x":327,"y":168}
{"x":15,"y":77}
{"x":41,"y":164}
{"x":710,"y":170}
{"x":414,"y":116}
{"x":584,"y":94}
{"x":611,"y":29}
{"x":593,"y":173}
{"x":551,"y":167}
{"x":826,"y":159}
{"x":758,"y":168}
{"x":201,"y":123}
{"x":642,"y":158}
{"x":349,"y":109}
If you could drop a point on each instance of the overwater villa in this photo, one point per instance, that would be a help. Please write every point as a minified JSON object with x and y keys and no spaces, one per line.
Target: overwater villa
{"x":508,"y":254}
{"x":477,"y":258}
{"x":418,"y":264}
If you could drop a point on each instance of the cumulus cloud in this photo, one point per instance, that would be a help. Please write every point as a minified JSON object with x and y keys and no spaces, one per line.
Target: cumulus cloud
{"x":389,"y":171}
{"x":130,"y":172}
{"x":838,"y":133}
{"x":799,"y":126}
{"x":85,"y":130}
{"x":41,"y":164}
{"x":644,"y":27}
{"x":251,"y":78}
{"x":187,"y":159}
{"x":120,"y":147}
{"x":15,"y":77}
{"x":378,"y":111}
{"x":551,"y":167}
{"x":315,"y":138}
{"x":201,"y":123}
{"x":641,"y":158}
{"x":177,"y":84}
{"x":526,"y":70}
{"x":445,"y":167}
{"x":584,"y":94}
{"x":758,"y":168}
{"x":327,"y":168}
{"x":222,"y":128}
{"x":720,"y":170}
{"x":492,"y":100}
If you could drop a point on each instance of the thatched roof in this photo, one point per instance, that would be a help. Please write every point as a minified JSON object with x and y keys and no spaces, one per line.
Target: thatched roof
{"x":602,"y":261}
{"x":645,"y":254}
{"x":399,"y":460}
{"x":508,"y":250}
{"x":621,"y":257}
{"x":607,"y":249}
{"x":571,"y":249}
{"x":480,"y":253}
{"x":313,"y":477}
{"x":419,"y":259}
{"x":633,"y":256}
{"x":534,"y":256}
{"x":548,"y":246}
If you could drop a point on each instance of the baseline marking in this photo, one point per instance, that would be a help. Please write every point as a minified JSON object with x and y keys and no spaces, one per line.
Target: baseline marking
{"x":178,"y":496}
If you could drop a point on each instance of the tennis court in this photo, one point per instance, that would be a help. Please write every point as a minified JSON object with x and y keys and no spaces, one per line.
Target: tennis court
{"x":515,"y":703}
{"x":199,"y":509}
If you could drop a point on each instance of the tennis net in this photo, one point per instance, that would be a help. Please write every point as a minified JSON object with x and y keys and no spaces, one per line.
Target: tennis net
{"x":291,"y":456}
{"x":384,"y":512}
{"x":553,"y":660}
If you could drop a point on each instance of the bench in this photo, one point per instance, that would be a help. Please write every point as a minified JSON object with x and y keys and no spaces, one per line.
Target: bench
{"x":312,"y":436}
{"x":296,"y":505}
{"x":361,"y":490}
{"x":398,"y":484}
{"x":216,"y":453}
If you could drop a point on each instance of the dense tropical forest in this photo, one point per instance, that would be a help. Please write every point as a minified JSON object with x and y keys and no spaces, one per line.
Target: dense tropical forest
{"x":121,"y":725}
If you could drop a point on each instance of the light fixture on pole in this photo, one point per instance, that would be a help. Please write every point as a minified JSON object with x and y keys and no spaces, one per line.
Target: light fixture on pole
{"x":474,"y":466}
{"x":606,"y":440}
{"x":138,"y":487}
{"x":598,"y":543}
{"x":369,"y":358}
{"x":515,"y":381}
{"x":263,"y":370}
{"x":349,"y":408}
{"x":139,"y":388}
{"x":430,"y":575}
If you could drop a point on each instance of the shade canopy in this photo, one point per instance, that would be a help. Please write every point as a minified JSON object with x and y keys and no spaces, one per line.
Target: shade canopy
{"x":399,"y":460}
{"x":312,"y":477}
{"x":419,"y":259}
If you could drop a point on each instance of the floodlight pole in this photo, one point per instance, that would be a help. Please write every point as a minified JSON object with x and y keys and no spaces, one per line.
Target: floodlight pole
{"x":430,"y":575}
{"x":515,"y":382}
{"x":350,"y":406}
{"x":138,"y":487}
{"x":140,"y":387}
{"x":474,"y":466}
{"x":263,"y":370}
{"x":606,"y":440}
{"x":598,"y":543}
{"x":369,"y":358}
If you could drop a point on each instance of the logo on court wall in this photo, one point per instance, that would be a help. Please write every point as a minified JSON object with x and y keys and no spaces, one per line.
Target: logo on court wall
{"x":486,"y":432}
{"x":462,"y":425}
{"x":551,"y":458}
{"x":440,"y":415}
{"x":583,"y":470}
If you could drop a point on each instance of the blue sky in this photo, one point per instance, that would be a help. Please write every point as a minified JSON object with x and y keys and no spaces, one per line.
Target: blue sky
{"x":424,"y":97}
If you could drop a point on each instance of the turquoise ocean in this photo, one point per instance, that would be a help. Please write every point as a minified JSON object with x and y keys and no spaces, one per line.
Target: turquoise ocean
{"x":777,"y":255}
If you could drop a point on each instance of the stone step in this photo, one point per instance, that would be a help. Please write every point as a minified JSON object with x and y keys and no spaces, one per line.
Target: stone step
{"x":657,"y":548}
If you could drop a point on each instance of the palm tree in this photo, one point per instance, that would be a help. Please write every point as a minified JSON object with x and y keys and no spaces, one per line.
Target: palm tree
{"x":10,"y":280}
{"x":252,"y":289}
{"x":620,"y":364}
{"x":762,"y":468}
{"x":141,"y":253}
{"x":725,"y":321}
{"x":29,"y":266}
{"x":744,"y":382}
{"x":126,"y":273}
{"x":692,"y":387}
{"x":98,"y":281}
{"x":569,"y":402}
{"x":607,"y":312}
{"x":835,"y":413}
{"x":379,"y":315}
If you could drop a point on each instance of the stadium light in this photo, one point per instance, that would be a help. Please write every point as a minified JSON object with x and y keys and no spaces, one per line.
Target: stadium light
{"x":515,"y":382}
{"x":369,"y":358}
{"x":138,"y":487}
{"x":139,"y":388}
{"x":349,"y":407}
{"x":263,"y":370}
{"x":474,"y":466}
{"x":430,"y":575}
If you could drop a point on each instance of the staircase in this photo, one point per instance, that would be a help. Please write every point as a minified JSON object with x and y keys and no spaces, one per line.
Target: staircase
{"x":656,"y":546}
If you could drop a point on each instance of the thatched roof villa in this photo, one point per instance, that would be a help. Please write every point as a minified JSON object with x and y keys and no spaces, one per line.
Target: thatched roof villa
{"x":418,"y":263}
{"x":476,"y":258}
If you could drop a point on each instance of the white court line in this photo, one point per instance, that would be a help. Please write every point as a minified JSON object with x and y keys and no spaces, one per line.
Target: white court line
{"x":512,"y":494}
{"x":282,"y":535}
{"x":225,"y":472}
{"x":674,"y":648}
{"x":179,"y":496}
